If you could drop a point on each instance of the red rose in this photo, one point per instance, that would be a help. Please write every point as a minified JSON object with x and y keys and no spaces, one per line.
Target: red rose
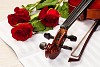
{"x":22,"y":31}
{"x":74,"y":3}
{"x":21,"y":15}
{"x":49,"y":17}
{"x":95,"y":5}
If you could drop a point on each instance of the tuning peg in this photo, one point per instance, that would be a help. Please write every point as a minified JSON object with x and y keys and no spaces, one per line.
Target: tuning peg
{"x":48,"y":36}
{"x":66,"y":47}
{"x":72,"y":38}
{"x":43,"y":45}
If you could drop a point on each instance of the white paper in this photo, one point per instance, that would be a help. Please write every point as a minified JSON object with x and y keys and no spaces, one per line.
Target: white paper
{"x":29,"y":53}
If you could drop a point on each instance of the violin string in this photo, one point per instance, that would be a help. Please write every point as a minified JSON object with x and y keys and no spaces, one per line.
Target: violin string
{"x":75,"y":13}
{"x":72,"y":14}
{"x":79,"y":11}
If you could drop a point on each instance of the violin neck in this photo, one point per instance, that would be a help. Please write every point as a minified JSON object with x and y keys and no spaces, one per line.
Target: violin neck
{"x":76,"y":13}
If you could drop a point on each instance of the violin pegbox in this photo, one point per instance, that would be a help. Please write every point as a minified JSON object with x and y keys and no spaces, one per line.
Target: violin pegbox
{"x":53,"y":50}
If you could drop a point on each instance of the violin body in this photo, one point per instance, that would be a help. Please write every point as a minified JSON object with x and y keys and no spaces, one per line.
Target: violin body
{"x":92,"y":12}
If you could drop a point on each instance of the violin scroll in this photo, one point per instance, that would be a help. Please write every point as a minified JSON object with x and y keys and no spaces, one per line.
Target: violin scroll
{"x":53,"y":50}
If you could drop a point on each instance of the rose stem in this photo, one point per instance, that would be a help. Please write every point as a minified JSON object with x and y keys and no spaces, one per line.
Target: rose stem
{"x":57,"y":5}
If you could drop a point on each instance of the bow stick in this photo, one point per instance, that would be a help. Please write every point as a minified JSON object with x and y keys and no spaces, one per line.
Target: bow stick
{"x":81,"y":46}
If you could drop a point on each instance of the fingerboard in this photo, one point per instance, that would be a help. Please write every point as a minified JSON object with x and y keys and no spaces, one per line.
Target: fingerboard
{"x":76,"y":13}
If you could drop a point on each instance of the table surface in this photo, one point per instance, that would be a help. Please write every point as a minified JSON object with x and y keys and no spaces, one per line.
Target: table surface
{"x":7,"y":55}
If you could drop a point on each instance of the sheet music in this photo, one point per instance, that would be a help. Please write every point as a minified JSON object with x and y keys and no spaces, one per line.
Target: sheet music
{"x":30,"y":54}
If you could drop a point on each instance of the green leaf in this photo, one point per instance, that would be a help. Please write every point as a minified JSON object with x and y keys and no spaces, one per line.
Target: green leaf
{"x":42,"y":1}
{"x":29,"y":7}
{"x":34,"y":17}
{"x":38,"y":26}
{"x":63,"y":10}
{"x":46,"y":3}
{"x":48,"y":28}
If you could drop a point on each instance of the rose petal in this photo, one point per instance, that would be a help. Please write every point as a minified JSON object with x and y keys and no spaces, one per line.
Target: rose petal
{"x":16,"y":9}
{"x":95,"y":4}
{"x":21,"y":15}
{"x":50,"y":20}
{"x":22,"y":31}
{"x":12,"y":19}
{"x":53,"y":12}
{"x":43,"y":12}
{"x":74,"y":2}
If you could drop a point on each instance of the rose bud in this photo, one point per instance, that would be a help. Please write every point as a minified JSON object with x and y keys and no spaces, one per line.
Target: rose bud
{"x":21,"y":15}
{"x":22,"y":31}
{"x":49,"y":17}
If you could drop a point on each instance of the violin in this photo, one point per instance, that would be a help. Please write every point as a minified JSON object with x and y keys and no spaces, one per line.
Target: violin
{"x":54,"y":49}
